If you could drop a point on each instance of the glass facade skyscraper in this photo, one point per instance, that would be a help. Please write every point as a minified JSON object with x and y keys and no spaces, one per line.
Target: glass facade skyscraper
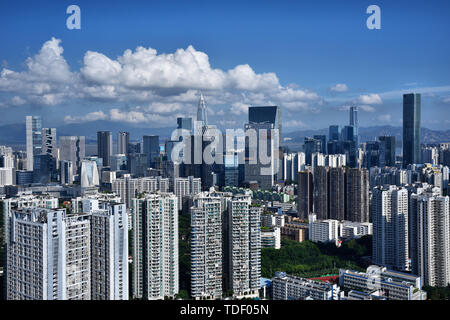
{"x":411,"y":128}
{"x":334,"y":132}
{"x":34,"y":139}
{"x":123,"y":140}
{"x":151,"y":148}
{"x":104,"y":146}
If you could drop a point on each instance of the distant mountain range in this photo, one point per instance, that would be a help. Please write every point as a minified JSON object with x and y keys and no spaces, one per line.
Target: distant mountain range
{"x":14,"y":134}
{"x":294,"y":139}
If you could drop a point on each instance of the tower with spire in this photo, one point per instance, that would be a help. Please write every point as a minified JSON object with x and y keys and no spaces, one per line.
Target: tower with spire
{"x":201,"y":124}
{"x":201,"y":111}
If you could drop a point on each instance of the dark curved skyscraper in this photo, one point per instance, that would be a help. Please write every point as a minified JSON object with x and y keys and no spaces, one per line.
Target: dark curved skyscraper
{"x":104,"y":147}
{"x":411,"y":128}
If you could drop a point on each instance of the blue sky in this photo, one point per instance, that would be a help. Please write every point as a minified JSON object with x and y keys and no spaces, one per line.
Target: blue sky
{"x":289,"y":53}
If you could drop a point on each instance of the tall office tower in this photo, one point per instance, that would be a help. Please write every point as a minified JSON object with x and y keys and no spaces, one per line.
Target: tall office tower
{"x":118,"y":162}
{"x":66,"y":176}
{"x":321,"y":194}
{"x":305,"y":194}
{"x":349,"y":133}
{"x":49,"y":142}
{"x":357,"y":195}
{"x":137,"y":164}
{"x":89,"y":174}
{"x":155,"y":246}
{"x":206,"y":247}
{"x":350,"y":144}
{"x":44,"y":169}
{"x":151,"y":149}
{"x":34,"y":138}
{"x":323,"y":142}
{"x":48,"y":255}
{"x":372,"y":154}
{"x":202,"y":120}
{"x":354,"y":121}
{"x":432,"y":244}
{"x":411,"y":128}
{"x":186,"y":186}
{"x":109,"y":251}
{"x":335,"y":133}
{"x":387,"y":151}
{"x":444,"y":157}
{"x":123,"y":140}
{"x":72,"y":148}
{"x":231,"y":170}
{"x":134,"y":147}
{"x":311,"y":146}
{"x":242,"y":247}
{"x":104,"y":146}
{"x":185,"y":123}
{"x":336,"y":194}
{"x":335,"y":147}
{"x":265,"y":170}
{"x":389,"y":211}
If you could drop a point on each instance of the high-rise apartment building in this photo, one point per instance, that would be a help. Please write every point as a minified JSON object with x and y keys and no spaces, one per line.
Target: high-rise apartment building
{"x":155,"y":246}
{"x":48,"y":255}
{"x":431,"y":246}
{"x":411,"y":128}
{"x":336,"y":194}
{"x":305,"y":194}
{"x":128,"y":188}
{"x":186,"y":186}
{"x":242,"y":246}
{"x":389,"y":211}
{"x":206,"y":247}
{"x":321,"y":194}
{"x":357,"y":195}
{"x":109,"y":245}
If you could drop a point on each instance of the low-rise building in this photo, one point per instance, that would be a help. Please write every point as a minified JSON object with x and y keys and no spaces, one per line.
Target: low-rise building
{"x":381,"y":282}
{"x":287,"y":287}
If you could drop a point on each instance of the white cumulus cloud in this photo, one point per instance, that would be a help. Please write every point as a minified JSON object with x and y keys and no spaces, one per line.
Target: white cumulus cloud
{"x":340,"y":87}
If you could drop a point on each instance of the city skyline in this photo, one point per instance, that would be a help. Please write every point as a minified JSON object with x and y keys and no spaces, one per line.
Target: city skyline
{"x":78,"y":76}
{"x":192,"y":151}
